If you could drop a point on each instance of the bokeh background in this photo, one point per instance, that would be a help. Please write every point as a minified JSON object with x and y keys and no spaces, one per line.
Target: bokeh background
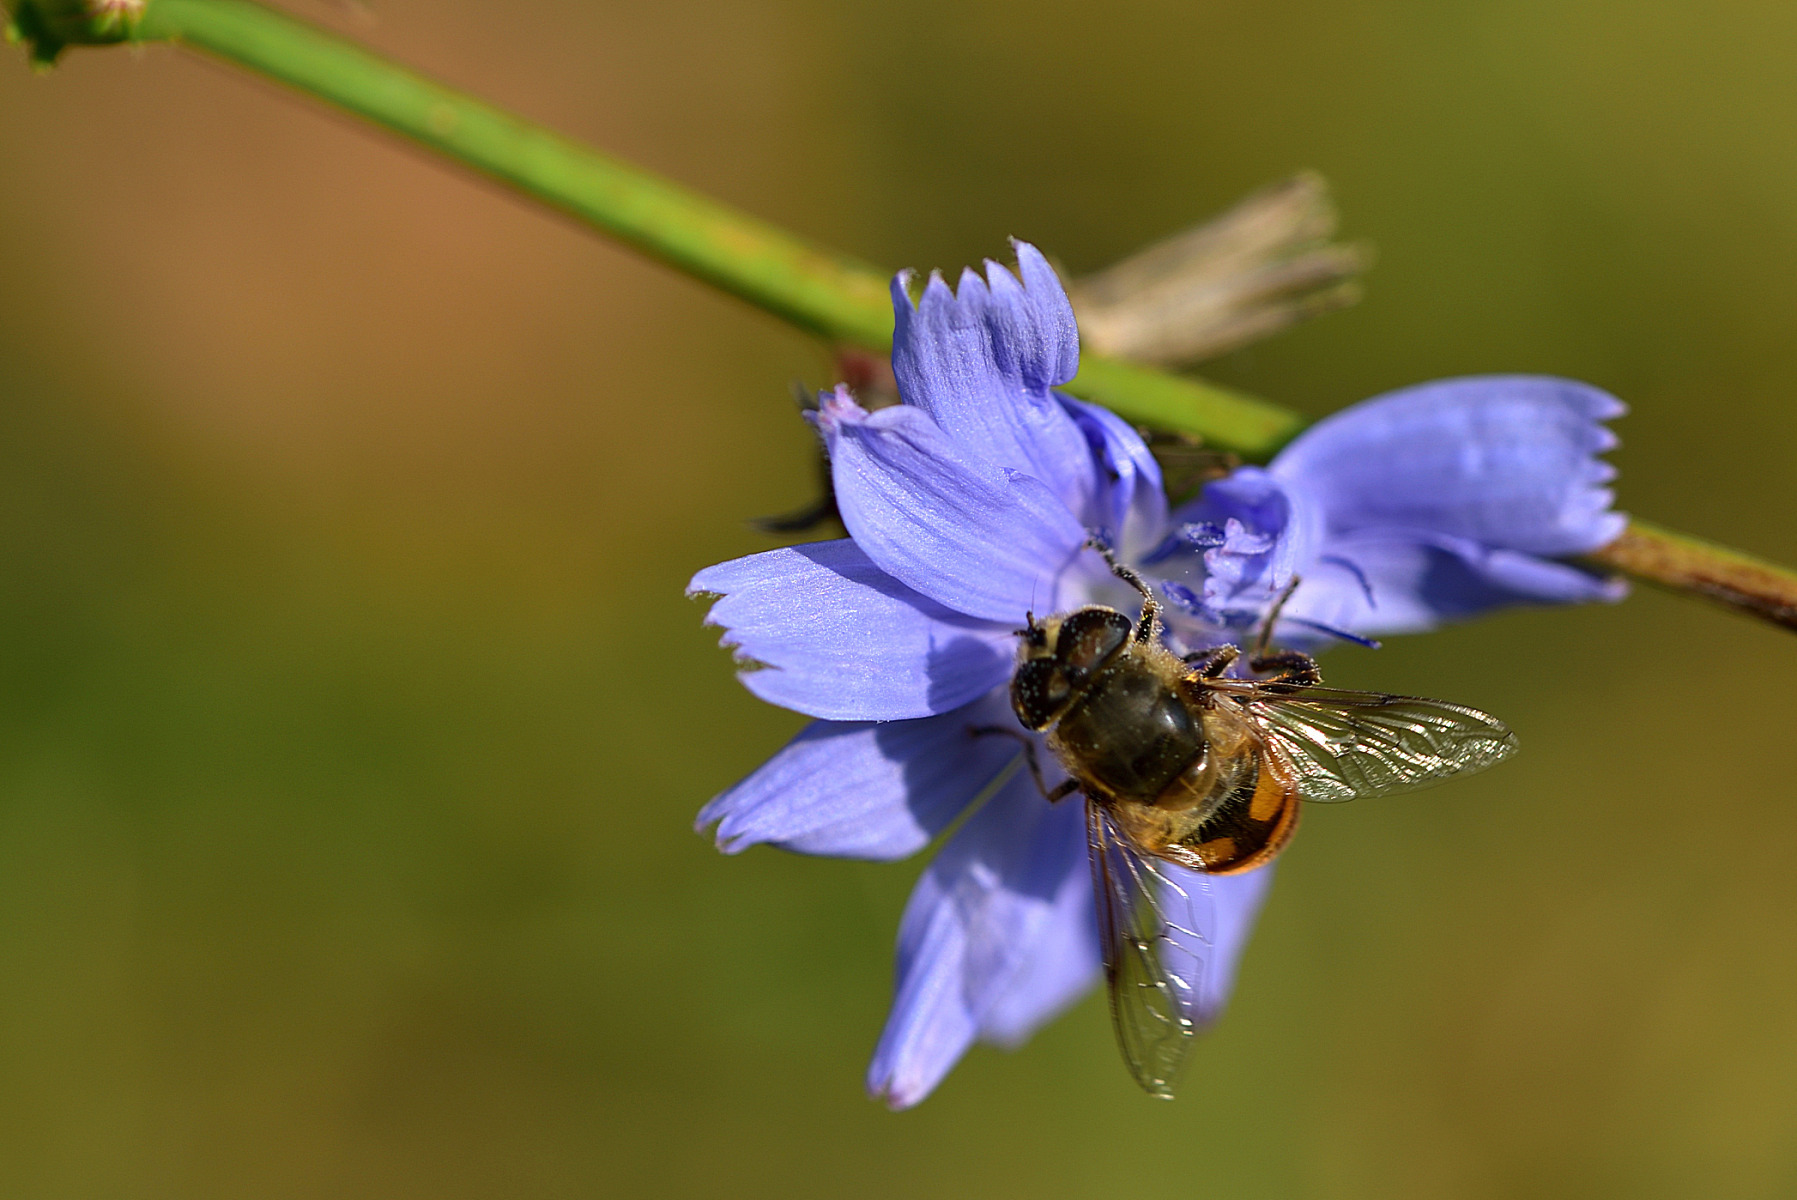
{"x":352,"y":723}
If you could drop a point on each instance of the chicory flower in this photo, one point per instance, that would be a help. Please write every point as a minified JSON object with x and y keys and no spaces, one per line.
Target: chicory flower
{"x":972,"y":504}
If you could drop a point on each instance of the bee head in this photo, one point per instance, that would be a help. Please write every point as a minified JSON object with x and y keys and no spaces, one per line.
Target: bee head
{"x":1057,"y":657}
{"x":1038,"y":637}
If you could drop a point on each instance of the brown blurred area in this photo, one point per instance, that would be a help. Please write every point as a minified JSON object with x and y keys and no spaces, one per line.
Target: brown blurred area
{"x":352,"y":722}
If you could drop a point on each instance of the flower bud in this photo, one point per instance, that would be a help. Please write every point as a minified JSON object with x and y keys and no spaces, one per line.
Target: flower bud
{"x":46,"y":26}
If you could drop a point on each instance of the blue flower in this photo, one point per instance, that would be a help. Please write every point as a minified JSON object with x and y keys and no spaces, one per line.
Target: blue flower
{"x":971,"y":504}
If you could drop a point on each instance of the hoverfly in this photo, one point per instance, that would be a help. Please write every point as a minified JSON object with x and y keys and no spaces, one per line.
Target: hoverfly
{"x":1182,"y":764}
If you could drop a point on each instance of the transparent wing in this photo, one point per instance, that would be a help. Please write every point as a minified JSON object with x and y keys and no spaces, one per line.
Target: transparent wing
{"x":1343,"y":745}
{"x":1154,"y":931}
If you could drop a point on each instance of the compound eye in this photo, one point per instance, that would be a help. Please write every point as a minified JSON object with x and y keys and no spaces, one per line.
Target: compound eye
{"x":1091,"y":636}
{"x":1039,"y":692}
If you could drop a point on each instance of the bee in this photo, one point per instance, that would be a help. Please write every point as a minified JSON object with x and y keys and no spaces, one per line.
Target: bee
{"x":1184,"y":765}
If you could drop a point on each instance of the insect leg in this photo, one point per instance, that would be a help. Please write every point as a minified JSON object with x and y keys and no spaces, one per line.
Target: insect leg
{"x":1266,"y":627}
{"x":1288,"y":667}
{"x":824,"y":507}
{"x":1060,"y":791}
{"x":1149,"y":623}
{"x":1211,"y":663}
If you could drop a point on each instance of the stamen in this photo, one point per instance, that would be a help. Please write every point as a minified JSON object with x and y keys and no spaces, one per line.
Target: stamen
{"x":1332,"y":631}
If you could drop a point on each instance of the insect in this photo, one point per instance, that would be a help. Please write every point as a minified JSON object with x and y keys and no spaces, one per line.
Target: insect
{"x":1182,"y":764}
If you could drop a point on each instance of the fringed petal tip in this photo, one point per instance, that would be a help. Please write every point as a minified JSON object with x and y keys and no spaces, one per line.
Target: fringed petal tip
{"x":710,"y":816}
{"x":1034,"y":291}
{"x":901,"y":289}
{"x":1036,"y":316}
{"x":1028,"y":325}
{"x":982,"y":359}
{"x":900,"y":1094}
{"x":836,"y":407}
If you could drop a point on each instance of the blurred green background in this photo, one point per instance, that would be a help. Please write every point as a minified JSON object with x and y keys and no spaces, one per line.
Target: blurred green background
{"x":352,"y":723}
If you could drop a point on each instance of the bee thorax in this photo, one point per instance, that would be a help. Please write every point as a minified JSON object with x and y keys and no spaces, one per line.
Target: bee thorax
{"x":1130,"y":734}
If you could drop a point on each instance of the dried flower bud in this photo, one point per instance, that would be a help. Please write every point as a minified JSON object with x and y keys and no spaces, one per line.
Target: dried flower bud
{"x":1259,"y":268}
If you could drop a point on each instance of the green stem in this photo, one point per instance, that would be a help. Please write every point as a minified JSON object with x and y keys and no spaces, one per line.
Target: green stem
{"x":826,"y":293}
{"x":834,"y":296}
{"x":829,"y":294}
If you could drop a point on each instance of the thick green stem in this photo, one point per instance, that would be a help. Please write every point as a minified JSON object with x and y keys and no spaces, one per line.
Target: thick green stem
{"x":834,"y":296}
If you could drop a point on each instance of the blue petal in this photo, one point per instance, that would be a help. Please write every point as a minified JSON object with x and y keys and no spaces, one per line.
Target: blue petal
{"x":976,"y":538}
{"x":985,"y":908}
{"x":981,"y":361}
{"x":1133,"y":508}
{"x":833,"y":636}
{"x":1229,"y":905}
{"x":1063,"y":966}
{"x":1396,"y":582}
{"x":1505,"y":460}
{"x":855,"y":789}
